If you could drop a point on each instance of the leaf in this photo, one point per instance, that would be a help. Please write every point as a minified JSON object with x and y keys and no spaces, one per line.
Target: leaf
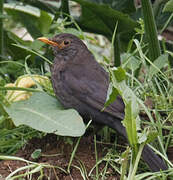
{"x":44,"y":22}
{"x":44,"y":113}
{"x":22,"y":8}
{"x":130,"y":62}
{"x":120,"y":74}
{"x":45,"y":5}
{"x":158,"y":64}
{"x":130,"y":124}
{"x":101,"y":18}
{"x":36,"y":22}
{"x":120,"y":84}
{"x":126,"y":6}
{"x":131,"y":119}
{"x":36,"y":154}
{"x":168,"y":6}
{"x":15,"y":52}
{"x":111,"y":95}
{"x":27,"y":15}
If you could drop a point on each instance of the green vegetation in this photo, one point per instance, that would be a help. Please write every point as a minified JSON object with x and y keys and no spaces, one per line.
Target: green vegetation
{"x":140,"y":67}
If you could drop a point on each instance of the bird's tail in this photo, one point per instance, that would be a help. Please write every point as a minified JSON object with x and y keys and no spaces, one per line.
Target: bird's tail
{"x":154,"y":162}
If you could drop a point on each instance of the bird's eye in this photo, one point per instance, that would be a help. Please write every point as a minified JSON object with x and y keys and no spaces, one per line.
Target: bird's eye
{"x":66,"y":42}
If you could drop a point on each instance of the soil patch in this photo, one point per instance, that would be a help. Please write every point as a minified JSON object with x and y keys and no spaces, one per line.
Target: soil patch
{"x":56,"y":153}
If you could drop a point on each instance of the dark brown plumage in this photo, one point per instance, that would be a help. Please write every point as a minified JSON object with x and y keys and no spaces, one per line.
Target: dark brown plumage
{"x":81,"y":83}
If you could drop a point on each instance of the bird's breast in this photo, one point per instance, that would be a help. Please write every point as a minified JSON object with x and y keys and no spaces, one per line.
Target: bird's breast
{"x":61,"y":89}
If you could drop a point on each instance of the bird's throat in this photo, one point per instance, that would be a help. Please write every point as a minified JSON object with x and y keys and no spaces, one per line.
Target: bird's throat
{"x":66,"y":54}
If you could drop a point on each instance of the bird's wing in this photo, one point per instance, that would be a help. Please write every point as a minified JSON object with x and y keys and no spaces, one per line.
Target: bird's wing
{"x":90,"y":86}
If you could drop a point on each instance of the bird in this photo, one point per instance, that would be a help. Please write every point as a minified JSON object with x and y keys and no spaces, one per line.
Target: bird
{"x":81,"y":83}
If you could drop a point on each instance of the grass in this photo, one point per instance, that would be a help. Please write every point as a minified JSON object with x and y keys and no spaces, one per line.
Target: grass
{"x":158,"y":88}
{"x":29,"y":169}
{"x":11,"y":140}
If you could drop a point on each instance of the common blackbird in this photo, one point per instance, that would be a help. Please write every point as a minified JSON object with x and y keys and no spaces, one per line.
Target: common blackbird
{"x":80,"y":82}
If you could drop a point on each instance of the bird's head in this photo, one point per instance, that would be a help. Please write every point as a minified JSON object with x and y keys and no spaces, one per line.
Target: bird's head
{"x":66,"y":45}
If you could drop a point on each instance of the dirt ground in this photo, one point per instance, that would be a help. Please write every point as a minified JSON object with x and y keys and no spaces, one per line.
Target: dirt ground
{"x":60,"y":157}
{"x":56,"y":153}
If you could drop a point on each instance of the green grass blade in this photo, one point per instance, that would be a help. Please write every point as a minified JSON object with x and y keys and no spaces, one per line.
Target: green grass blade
{"x":150,"y":30}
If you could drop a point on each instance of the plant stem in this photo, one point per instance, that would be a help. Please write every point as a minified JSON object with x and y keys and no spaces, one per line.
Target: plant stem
{"x":65,"y":8}
{"x":96,"y":156}
{"x":117,"y":61}
{"x":156,"y":7}
{"x":1,"y":29}
{"x":166,"y":24}
{"x":135,"y":167}
{"x":115,"y":52}
{"x":150,"y":30}
{"x":73,"y":154}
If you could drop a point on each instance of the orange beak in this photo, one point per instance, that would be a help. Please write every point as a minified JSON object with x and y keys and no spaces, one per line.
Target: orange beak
{"x":47,"y":41}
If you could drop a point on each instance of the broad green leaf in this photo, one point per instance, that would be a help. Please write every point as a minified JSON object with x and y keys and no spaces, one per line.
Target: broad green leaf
{"x":168,"y":6}
{"x":27,"y":15}
{"x":45,"y":5}
{"x":36,"y":154}
{"x":125,"y":6}
{"x":127,"y":94}
{"x":158,"y":64}
{"x":130,"y":124}
{"x":112,"y":93}
{"x":15,"y":68}
{"x":22,"y":8}
{"x":44,"y":113}
{"x":101,"y":18}
{"x":15,"y":52}
{"x":120,"y":74}
{"x":44,"y":22}
{"x":130,"y":62}
{"x":37,"y":22}
{"x":131,"y":119}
